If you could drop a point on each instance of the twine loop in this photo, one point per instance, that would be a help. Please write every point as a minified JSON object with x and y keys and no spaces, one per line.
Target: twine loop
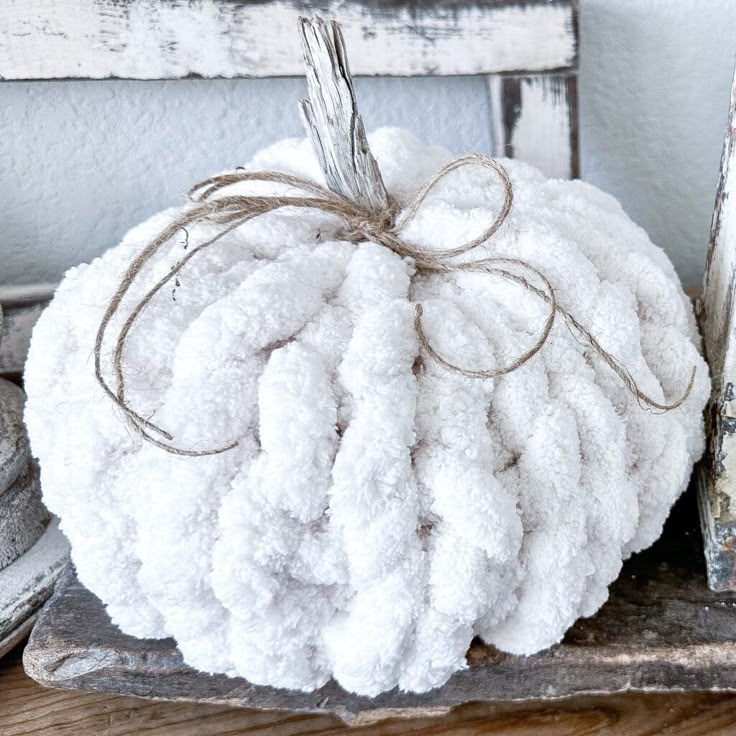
{"x":359,"y":224}
{"x":378,"y":227}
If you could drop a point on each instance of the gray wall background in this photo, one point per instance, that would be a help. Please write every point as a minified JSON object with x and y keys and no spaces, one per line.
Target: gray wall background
{"x":82,"y":162}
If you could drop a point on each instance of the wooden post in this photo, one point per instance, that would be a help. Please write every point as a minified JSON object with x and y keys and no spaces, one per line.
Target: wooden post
{"x":534,"y":118}
{"x":717,"y":480}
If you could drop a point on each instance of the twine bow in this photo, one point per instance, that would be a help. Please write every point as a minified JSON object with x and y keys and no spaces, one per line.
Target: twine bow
{"x":360,"y":224}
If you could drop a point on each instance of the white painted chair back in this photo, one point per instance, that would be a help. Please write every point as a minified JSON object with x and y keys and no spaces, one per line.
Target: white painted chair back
{"x":527,"y":49}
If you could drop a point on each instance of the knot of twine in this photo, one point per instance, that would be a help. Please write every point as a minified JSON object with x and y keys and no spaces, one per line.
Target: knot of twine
{"x":230,"y":211}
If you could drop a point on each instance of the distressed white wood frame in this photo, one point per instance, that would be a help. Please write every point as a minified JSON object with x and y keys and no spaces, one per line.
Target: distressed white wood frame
{"x":716,"y":310}
{"x":526,"y":48}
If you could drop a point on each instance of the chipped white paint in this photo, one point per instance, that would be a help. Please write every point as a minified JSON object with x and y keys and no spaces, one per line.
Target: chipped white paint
{"x":532,"y":119}
{"x":542,"y":131}
{"x":157,"y":39}
{"x":716,"y":311}
{"x":717,"y":307}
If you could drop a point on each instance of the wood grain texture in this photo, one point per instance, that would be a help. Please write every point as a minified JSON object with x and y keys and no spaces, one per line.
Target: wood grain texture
{"x":716,"y":314}
{"x":661,"y":630}
{"x":12,"y":639}
{"x":165,"y":39}
{"x":534,"y":119}
{"x":332,"y":121}
{"x":28,"y":582}
{"x":27,"y":709}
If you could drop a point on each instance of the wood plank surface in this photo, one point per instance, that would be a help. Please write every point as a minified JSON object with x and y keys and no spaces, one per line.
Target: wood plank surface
{"x":27,"y":709}
{"x":28,"y":582}
{"x":166,"y":39}
{"x":662,"y":629}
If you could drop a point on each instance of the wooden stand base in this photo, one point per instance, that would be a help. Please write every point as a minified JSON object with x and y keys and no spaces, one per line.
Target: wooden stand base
{"x":661,"y":630}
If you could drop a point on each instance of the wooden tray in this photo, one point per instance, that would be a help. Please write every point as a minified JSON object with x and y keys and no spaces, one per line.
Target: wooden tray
{"x":661,"y":630}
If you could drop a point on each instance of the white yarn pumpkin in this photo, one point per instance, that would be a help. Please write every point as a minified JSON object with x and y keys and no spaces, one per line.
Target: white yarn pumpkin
{"x":379,"y":511}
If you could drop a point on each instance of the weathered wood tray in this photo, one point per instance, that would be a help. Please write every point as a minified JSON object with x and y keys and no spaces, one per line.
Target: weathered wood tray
{"x":661,"y":630}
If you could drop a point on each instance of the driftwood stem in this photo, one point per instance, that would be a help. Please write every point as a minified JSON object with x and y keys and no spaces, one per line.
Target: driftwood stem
{"x":331,"y":118}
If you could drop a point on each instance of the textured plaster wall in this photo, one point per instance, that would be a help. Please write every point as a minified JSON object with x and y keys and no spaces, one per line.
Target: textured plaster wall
{"x":81,"y":162}
{"x":654,"y":91}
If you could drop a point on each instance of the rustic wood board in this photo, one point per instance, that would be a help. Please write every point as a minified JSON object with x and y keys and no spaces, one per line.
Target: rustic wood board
{"x":661,"y":630}
{"x":534,"y":118}
{"x":716,"y":313}
{"x":27,"y":709}
{"x":166,"y":39}
{"x":528,"y":49}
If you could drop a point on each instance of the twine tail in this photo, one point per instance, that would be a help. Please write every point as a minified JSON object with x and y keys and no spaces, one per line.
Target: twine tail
{"x":231,"y":211}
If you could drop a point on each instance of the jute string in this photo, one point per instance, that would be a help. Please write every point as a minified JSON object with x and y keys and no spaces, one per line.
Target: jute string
{"x":230,"y":211}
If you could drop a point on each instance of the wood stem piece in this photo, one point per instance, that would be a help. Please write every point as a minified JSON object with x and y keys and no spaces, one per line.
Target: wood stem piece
{"x":331,"y":118}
